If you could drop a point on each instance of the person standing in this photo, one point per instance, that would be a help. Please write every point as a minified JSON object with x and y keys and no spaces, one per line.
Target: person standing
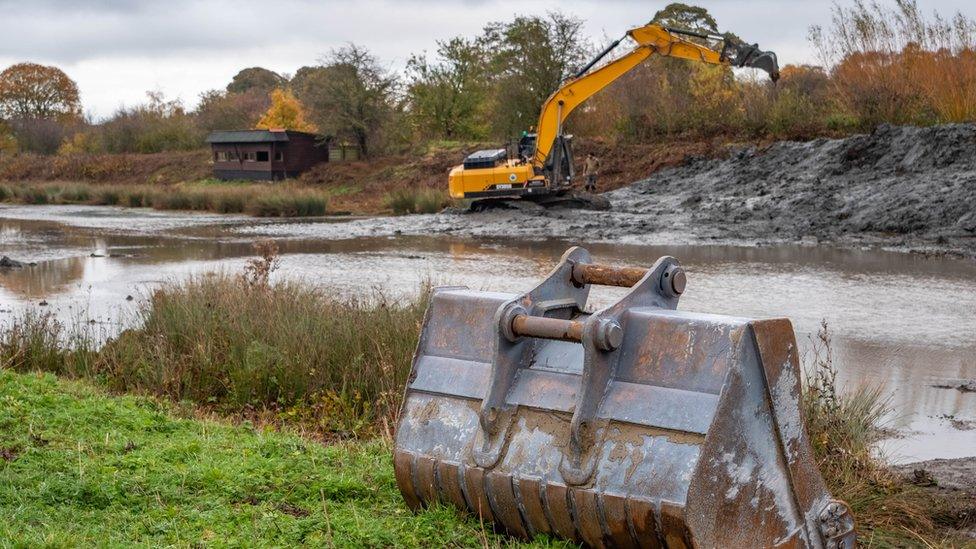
{"x":591,"y":167}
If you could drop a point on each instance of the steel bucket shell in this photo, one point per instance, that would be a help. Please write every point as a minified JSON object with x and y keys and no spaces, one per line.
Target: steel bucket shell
{"x":697,"y":441}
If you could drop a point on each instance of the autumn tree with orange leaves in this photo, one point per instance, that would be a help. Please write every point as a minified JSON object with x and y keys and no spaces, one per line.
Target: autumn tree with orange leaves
{"x":286,"y":112}
{"x":32,"y":91}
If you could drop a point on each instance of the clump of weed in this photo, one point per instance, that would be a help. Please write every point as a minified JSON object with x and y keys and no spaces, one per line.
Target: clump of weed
{"x":35,"y":195}
{"x":108,"y":196}
{"x":73,"y":194}
{"x":257,"y":271}
{"x":288,"y":204}
{"x":412,"y":201}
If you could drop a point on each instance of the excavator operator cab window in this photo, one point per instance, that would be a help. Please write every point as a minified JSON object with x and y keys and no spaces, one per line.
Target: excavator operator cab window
{"x":526,"y":146}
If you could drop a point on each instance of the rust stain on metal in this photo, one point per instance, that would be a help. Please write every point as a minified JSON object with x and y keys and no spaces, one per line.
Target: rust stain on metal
{"x":607,"y":275}
{"x":547,"y":328}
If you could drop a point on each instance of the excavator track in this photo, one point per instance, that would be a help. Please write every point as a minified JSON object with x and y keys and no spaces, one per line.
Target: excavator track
{"x":569,"y":200}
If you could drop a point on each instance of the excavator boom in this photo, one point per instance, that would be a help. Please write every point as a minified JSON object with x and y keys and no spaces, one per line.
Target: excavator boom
{"x":651,"y":39}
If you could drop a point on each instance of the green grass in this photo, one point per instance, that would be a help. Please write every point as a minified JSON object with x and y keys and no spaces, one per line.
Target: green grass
{"x":281,"y":200}
{"x":84,"y":469}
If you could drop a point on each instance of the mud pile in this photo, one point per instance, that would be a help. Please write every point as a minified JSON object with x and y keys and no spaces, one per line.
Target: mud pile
{"x":902,"y":185}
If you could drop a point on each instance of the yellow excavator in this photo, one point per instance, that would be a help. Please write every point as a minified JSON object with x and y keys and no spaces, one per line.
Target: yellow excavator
{"x":542,"y":169}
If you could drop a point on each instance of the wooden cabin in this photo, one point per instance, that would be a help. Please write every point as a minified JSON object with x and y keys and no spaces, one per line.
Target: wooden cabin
{"x":265,"y":154}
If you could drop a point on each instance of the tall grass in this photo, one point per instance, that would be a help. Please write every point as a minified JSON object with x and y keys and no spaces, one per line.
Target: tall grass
{"x":285,"y":352}
{"x":416,"y":201}
{"x":258,"y":200}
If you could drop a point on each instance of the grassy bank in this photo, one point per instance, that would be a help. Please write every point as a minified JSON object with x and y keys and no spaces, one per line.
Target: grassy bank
{"x":79,"y":468}
{"x":293,"y":356}
{"x":409,"y":183}
{"x":263,"y":200}
{"x":282,"y":353}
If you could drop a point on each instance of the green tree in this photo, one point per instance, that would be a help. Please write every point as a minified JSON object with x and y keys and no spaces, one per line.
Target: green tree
{"x":529,"y":59}
{"x":219,"y":110}
{"x":350,"y":95}
{"x":257,"y":78}
{"x":445,"y":96}
{"x":683,"y":16}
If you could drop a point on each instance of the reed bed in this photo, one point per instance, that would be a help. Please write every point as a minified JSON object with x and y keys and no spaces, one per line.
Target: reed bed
{"x":282,"y":200}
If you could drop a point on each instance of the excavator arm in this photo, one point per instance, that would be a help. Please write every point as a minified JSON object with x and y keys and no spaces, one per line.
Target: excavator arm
{"x":650,"y":39}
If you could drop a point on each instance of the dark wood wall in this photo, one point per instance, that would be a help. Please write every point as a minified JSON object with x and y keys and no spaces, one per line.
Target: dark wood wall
{"x":300,"y":153}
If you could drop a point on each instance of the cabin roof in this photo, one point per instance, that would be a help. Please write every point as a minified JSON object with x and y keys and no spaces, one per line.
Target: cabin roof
{"x":252,"y":136}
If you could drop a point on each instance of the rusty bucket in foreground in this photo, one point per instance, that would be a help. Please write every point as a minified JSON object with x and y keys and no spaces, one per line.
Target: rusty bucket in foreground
{"x":634,"y":426}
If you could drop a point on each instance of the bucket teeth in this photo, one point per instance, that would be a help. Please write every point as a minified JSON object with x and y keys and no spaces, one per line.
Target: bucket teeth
{"x":636,"y":425}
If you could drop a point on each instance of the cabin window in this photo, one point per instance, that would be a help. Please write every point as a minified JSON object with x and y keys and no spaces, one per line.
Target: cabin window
{"x":249,"y":157}
{"x":262,"y":156}
{"x":279,"y":156}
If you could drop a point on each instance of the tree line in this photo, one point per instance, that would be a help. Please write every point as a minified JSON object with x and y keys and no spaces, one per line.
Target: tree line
{"x":877,"y":64}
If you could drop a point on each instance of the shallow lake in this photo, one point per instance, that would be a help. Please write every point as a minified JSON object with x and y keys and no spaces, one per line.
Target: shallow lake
{"x":905,"y":321}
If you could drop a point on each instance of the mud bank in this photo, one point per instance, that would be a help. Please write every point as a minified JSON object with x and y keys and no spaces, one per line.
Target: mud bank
{"x":951,"y":479}
{"x":902,"y":187}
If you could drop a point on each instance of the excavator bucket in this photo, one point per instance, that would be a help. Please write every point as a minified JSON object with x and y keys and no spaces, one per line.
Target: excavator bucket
{"x":634,"y":426}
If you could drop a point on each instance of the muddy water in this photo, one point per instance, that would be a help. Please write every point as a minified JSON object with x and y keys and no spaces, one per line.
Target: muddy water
{"x":905,"y":321}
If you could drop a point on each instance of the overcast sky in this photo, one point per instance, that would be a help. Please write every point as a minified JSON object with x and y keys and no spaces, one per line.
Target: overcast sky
{"x":117,"y":50}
